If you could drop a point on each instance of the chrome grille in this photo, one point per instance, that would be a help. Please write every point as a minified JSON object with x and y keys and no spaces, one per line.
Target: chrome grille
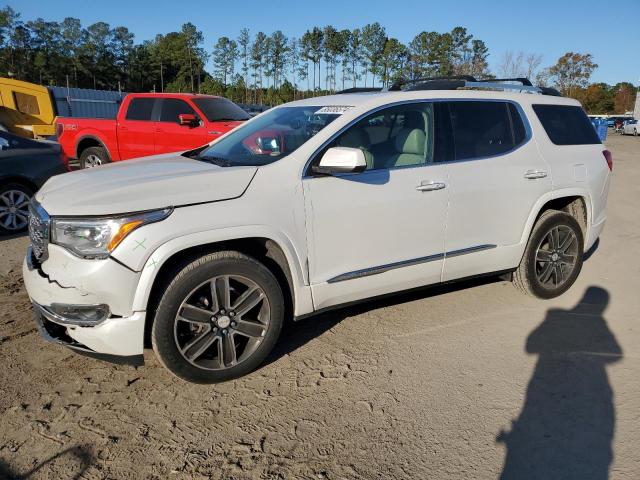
{"x":38,"y":231}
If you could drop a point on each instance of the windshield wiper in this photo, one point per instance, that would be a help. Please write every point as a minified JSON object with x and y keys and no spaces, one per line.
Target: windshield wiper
{"x":220,"y":162}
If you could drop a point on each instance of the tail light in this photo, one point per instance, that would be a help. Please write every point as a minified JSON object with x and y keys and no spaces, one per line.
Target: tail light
{"x":59,"y":129}
{"x":609,"y":158}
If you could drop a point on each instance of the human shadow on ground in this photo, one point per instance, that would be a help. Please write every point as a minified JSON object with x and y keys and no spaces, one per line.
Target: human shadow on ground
{"x":81,"y":460}
{"x":566,"y":426}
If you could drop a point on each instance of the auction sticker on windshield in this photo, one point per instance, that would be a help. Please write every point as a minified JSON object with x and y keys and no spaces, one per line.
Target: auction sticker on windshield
{"x":334,"y":109}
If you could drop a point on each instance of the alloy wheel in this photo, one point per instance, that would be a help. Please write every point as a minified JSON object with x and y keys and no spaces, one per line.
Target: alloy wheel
{"x":222,"y":322}
{"x":14,"y":210}
{"x":556,"y":257}
{"x":92,"y":161}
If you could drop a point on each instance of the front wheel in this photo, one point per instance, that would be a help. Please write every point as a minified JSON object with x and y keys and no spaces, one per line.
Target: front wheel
{"x":553,"y":257}
{"x":218,"y":319}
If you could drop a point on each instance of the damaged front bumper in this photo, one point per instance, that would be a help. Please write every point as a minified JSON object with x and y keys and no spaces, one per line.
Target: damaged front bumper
{"x":64,"y":280}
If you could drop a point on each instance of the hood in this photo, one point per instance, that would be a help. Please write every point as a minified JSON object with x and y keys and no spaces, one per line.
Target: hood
{"x":168,"y":180}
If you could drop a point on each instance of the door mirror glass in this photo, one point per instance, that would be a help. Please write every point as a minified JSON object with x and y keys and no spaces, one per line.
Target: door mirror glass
{"x":187,"y":119}
{"x":341,"y":160}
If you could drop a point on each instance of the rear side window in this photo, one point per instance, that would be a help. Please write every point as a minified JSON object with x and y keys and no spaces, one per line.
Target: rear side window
{"x":172,"y":108}
{"x":485,"y":129}
{"x":140,"y":109}
{"x":566,"y":125}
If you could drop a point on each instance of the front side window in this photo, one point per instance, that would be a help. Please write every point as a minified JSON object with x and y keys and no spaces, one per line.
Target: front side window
{"x":401,"y":136}
{"x":140,"y":109}
{"x":220,"y":109}
{"x":272,"y":136}
{"x":172,"y":108}
{"x":484,"y":129}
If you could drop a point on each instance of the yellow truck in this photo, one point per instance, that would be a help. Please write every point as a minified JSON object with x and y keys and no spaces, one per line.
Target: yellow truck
{"x":30,"y":110}
{"x":26,"y":109}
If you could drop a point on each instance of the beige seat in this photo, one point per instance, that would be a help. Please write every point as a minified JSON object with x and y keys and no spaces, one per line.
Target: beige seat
{"x":410,"y":148}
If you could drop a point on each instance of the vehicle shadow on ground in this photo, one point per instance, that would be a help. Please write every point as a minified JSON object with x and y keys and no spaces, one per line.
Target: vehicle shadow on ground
{"x":566,"y":426}
{"x":12,"y":236}
{"x":296,"y":334}
{"x":81,"y":459}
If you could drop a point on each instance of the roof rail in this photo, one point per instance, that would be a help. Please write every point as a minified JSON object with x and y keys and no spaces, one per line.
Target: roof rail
{"x":524,"y":81}
{"x":359,"y":90}
{"x":467,"y":81}
{"x":454,"y":79}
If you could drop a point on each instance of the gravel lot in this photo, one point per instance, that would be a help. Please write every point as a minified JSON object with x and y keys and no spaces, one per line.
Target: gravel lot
{"x":465,"y":381}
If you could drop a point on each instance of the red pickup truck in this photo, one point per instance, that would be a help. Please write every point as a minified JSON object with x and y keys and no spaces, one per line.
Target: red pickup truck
{"x":148,"y":124}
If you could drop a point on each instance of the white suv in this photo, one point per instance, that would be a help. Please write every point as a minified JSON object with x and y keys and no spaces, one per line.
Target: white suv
{"x":309,"y":206}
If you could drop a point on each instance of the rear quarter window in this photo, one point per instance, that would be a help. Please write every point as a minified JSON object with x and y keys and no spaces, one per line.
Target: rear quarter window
{"x":566,"y":124}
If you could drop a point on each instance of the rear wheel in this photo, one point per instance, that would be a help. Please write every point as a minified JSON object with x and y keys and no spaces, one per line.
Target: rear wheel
{"x":94,"y":157}
{"x":218,"y":319}
{"x":553,"y":257}
{"x":14,"y":207}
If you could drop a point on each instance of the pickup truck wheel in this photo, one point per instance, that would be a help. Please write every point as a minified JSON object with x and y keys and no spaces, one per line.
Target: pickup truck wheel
{"x":218,"y":319}
{"x":14,"y":207}
{"x":94,"y":157}
{"x":553,"y":257}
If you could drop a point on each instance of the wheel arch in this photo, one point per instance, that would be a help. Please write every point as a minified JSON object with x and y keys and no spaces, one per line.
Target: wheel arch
{"x":574,"y":201}
{"x":279,"y":258}
{"x":19,"y":179}
{"x":88,"y":141}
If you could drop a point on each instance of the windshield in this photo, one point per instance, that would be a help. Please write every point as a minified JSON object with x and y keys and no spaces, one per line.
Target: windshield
{"x":220,"y":109}
{"x":271,"y":137}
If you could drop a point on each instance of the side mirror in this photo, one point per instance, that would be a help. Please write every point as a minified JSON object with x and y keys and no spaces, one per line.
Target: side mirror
{"x":341,"y":160}
{"x":187,"y":119}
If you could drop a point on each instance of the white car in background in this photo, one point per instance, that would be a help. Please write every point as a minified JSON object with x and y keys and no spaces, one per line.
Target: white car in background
{"x":312,"y":205}
{"x":631,"y":127}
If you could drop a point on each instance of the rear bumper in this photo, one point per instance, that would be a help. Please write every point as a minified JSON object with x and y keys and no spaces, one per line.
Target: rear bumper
{"x":594,"y":234}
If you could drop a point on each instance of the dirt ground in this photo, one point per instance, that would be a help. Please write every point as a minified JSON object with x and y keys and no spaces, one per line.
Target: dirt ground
{"x":466,"y":381}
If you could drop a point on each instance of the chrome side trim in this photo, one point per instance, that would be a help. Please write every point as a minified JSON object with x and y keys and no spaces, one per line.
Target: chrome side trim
{"x":464,"y":251}
{"x":365,"y":272}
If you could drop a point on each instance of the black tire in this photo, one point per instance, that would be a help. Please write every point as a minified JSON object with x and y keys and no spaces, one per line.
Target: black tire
{"x":189,"y":287}
{"x":94,"y":157}
{"x":14,"y":203}
{"x":532,"y":270}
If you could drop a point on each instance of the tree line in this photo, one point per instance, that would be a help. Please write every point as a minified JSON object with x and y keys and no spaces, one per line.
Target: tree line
{"x":257,"y":68}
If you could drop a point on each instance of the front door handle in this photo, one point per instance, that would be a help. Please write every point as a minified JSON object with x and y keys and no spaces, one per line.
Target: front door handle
{"x":426,"y":186}
{"x":533,"y":174}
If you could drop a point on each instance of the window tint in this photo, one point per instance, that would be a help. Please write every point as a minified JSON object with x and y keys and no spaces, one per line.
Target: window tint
{"x":519,"y":130}
{"x":482,"y":129}
{"x":172,"y":107}
{"x":566,"y":125}
{"x":220,"y":109}
{"x":140,"y":109}
{"x":396,"y":137}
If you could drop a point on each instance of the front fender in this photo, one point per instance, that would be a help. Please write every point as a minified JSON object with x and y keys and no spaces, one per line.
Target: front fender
{"x":159,"y":256}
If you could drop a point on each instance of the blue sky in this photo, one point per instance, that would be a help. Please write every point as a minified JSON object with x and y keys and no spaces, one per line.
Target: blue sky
{"x":608,"y":30}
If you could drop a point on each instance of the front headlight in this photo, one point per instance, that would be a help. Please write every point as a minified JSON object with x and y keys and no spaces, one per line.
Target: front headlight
{"x":98,"y":237}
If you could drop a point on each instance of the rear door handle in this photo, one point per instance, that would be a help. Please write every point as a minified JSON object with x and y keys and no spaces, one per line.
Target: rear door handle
{"x":533,"y":174}
{"x":426,"y":186}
